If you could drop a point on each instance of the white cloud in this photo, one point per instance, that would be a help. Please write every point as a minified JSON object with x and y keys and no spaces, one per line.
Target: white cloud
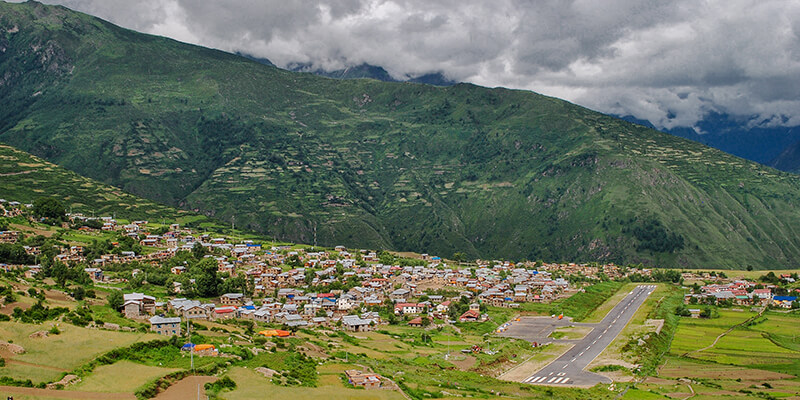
{"x":668,"y":62}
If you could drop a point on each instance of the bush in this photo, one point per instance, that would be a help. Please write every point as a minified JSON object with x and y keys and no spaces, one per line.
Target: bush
{"x":54,"y":331}
{"x":213,"y":388}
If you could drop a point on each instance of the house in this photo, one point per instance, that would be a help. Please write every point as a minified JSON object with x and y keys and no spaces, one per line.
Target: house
{"x":783,"y":301}
{"x":165,"y":326}
{"x":9,"y":236}
{"x":225,"y":312}
{"x":407,"y":309}
{"x":363,"y":379}
{"x":232,"y":299}
{"x":695,"y":312}
{"x":354,"y":323}
{"x":32,"y":270}
{"x":400,"y":294}
{"x":191,"y":309}
{"x":146,"y":304}
{"x":416,"y":322}
{"x":178,"y":270}
{"x":95,"y":274}
{"x":443,"y":307}
{"x":470,"y":316}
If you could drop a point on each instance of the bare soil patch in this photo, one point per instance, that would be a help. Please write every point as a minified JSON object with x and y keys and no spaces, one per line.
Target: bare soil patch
{"x":8,"y":309}
{"x":465,"y":364}
{"x":29,"y":229}
{"x":186,"y":388}
{"x":658,"y":381}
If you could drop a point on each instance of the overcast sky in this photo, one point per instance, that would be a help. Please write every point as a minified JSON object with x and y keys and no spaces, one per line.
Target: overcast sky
{"x":669,"y":62}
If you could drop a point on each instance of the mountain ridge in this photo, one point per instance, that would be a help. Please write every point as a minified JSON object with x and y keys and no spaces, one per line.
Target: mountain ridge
{"x":458,"y":169}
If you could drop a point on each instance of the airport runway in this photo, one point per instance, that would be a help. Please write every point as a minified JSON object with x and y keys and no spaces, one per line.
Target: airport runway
{"x":569,"y":368}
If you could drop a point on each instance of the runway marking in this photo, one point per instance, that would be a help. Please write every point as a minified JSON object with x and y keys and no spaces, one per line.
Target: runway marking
{"x":565,"y":380}
{"x":562,"y":373}
{"x":550,"y":380}
{"x":558,"y":380}
{"x":565,"y":366}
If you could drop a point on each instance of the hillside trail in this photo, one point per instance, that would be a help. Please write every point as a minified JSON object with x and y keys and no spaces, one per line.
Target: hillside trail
{"x":760,"y":313}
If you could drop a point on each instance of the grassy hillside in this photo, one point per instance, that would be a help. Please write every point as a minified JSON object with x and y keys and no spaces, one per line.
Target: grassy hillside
{"x":486,"y":172}
{"x":24,"y":178}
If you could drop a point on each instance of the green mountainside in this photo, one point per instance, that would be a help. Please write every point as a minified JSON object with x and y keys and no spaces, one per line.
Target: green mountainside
{"x":460,"y":169}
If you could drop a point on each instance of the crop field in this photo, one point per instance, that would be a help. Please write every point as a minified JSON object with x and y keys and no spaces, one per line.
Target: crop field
{"x":47,"y":358}
{"x":694,"y":334}
{"x":760,"y":359}
{"x":252,"y":385}
{"x":122,"y":376}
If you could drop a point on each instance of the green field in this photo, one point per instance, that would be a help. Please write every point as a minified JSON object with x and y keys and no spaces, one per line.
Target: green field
{"x":121,"y":377}
{"x":694,"y":334}
{"x":53,"y":355}
{"x":760,"y":359}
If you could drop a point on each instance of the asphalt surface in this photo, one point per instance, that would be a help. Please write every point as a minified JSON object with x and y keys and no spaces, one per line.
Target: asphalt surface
{"x":569,"y":368}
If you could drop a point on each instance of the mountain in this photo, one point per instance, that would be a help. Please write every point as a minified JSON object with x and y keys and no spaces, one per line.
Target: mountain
{"x":371,"y":72}
{"x":789,"y":159}
{"x":736,"y":136}
{"x":364,"y":163}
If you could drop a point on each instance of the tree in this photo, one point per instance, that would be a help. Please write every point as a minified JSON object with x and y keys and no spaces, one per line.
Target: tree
{"x":199,"y":251}
{"x":208,"y":282}
{"x":115,"y":300}
{"x":79,"y":293}
{"x":48,"y":207}
{"x":459,"y":256}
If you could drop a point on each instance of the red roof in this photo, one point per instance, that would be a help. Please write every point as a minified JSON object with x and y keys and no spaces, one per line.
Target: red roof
{"x":416,"y":321}
{"x":470,"y":314}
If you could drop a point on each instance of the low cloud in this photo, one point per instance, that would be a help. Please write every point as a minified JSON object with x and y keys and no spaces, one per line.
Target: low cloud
{"x":667,"y":62}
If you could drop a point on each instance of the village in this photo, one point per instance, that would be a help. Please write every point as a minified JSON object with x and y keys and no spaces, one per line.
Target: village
{"x":283,"y":289}
{"x":277,"y":279}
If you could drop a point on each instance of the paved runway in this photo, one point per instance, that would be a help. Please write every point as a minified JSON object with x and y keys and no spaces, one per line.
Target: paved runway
{"x":568,"y":369}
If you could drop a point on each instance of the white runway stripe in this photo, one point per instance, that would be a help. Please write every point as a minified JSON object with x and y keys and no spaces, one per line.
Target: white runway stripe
{"x":558,"y":380}
{"x":550,"y":380}
{"x":565,"y":380}
{"x":539,"y":379}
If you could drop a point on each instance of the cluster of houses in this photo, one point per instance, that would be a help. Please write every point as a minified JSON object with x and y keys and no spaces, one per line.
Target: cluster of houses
{"x":740,"y":292}
{"x":12,"y":208}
